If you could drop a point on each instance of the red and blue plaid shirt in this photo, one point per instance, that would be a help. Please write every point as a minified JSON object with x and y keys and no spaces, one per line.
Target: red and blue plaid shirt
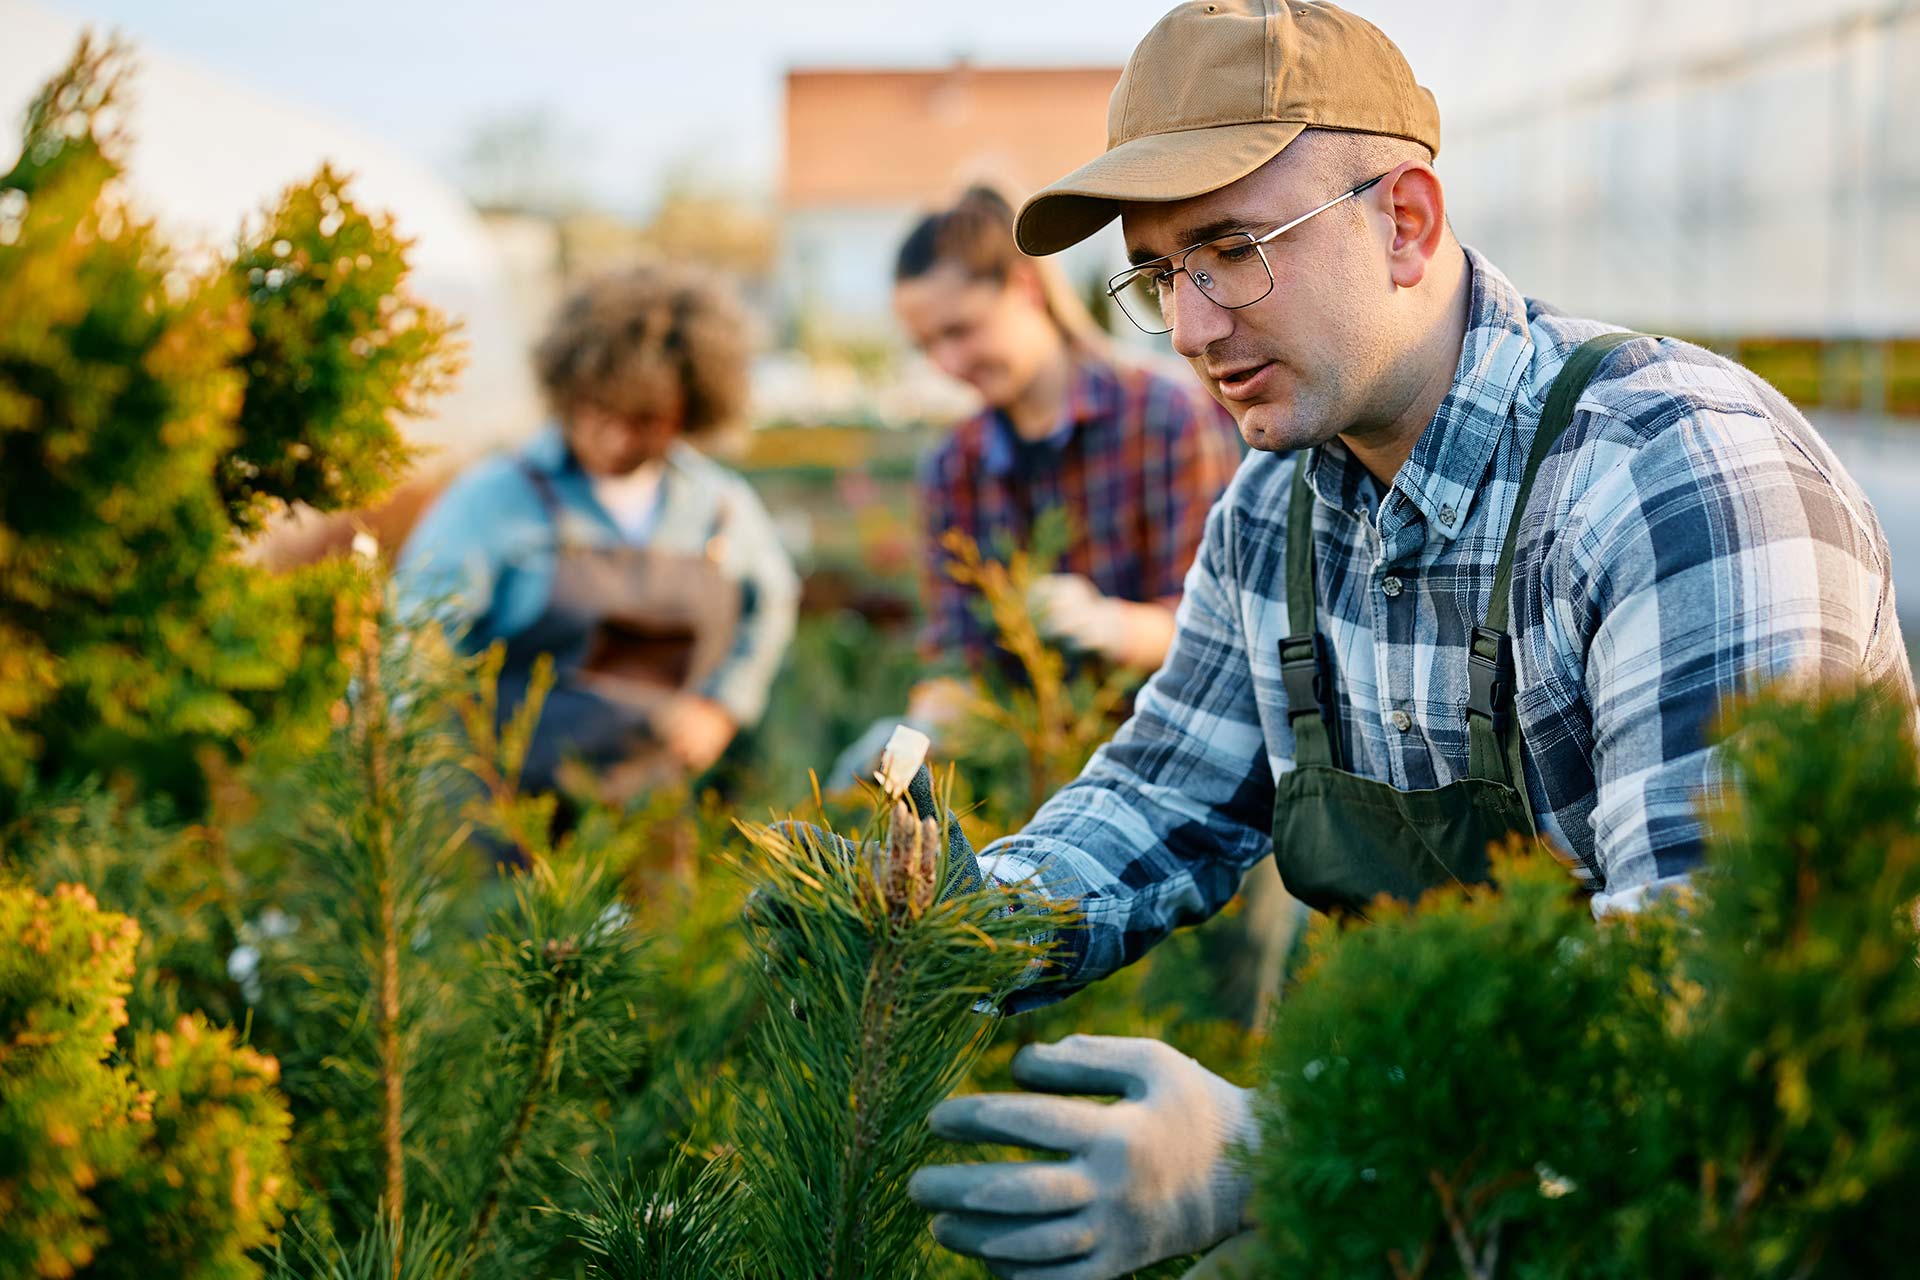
{"x":1138,"y":461}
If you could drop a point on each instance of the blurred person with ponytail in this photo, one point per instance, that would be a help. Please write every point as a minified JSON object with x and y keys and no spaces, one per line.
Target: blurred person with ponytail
{"x":1134,"y":458}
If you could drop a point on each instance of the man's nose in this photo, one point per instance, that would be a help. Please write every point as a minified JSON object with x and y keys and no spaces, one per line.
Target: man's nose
{"x":1198,"y":321}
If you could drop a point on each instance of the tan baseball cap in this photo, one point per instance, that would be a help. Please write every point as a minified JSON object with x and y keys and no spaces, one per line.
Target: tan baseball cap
{"x":1217,"y":89}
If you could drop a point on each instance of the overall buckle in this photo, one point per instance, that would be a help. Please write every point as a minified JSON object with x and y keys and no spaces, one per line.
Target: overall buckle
{"x":1490,"y":677}
{"x":1303,"y":673}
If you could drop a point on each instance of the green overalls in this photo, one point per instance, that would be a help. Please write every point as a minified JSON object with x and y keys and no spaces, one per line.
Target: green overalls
{"x":1341,"y":840}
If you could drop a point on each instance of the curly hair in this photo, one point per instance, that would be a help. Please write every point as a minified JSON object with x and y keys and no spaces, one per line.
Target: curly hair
{"x":631,"y":340}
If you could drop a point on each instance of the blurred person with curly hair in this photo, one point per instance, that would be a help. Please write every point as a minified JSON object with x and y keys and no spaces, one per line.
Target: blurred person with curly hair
{"x":652,"y":575}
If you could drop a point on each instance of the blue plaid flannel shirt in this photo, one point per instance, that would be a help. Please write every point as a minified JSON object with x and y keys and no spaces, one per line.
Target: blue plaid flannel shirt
{"x":1688,"y":537}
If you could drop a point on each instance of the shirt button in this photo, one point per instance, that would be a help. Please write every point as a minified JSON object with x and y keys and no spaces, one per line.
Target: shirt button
{"x":1392,"y":587}
{"x":1446,"y":516}
{"x":1401,"y":721}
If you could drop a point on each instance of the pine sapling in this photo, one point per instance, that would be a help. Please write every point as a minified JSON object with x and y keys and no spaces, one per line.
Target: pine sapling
{"x":684,"y":1224}
{"x":888,"y":978}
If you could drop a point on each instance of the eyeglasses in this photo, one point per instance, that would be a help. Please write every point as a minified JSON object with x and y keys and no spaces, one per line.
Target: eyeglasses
{"x":1232,"y":271}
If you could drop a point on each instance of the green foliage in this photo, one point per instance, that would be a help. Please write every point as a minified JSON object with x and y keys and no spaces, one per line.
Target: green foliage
{"x":211,"y":1177}
{"x":172,"y":1161}
{"x":177,"y":882}
{"x":430,"y":1250}
{"x":883,"y":981}
{"x":347,"y":969}
{"x":455,"y":1018}
{"x":687,"y":1091}
{"x":65,"y":1112}
{"x":145,"y":419}
{"x":1449,"y":1087}
{"x":1803,"y":1005}
{"x":1494,"y":1086}
{"x":1024,"y":741}
{"x":338,"y":349}
{"x":688,"y":1225}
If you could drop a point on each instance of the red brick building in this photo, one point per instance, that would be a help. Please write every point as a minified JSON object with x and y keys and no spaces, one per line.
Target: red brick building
{"x":869,"y":150}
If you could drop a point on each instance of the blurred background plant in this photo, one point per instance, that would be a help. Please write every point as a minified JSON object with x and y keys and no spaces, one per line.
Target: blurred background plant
{"x":150,"y":413}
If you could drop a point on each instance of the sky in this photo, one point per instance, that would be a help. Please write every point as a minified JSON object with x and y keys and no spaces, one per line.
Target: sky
{"x":635,"y":90}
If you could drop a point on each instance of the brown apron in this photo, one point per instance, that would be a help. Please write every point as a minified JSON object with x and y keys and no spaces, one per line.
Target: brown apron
{"x":628,"y":628}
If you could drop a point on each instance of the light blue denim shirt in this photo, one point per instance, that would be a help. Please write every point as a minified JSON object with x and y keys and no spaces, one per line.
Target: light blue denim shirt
{"x":481,"y":559}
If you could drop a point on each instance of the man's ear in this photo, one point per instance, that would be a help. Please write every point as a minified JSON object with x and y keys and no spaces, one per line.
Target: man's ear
{"x":1418,"y":207}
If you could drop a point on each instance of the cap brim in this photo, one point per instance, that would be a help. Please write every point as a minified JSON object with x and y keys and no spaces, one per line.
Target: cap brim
{"x":1155,"y":168}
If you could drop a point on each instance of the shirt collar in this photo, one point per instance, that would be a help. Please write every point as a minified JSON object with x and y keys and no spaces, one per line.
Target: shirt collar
{"x":1448,"y":467}
{"x":548,"y":450}
{"x":1092,"y":395}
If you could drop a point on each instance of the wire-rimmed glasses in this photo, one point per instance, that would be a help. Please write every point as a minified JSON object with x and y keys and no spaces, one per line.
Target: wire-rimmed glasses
{"x":1232,"y":271}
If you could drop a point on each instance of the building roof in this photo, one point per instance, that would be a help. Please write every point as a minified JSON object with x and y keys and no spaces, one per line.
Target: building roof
{"x":893,"y":137}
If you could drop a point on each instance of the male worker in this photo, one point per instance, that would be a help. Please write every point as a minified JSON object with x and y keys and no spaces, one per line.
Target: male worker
{"x":1514,"y":567}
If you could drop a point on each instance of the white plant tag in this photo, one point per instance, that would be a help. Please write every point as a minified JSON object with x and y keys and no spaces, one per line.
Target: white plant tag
{"x":900,"y":759}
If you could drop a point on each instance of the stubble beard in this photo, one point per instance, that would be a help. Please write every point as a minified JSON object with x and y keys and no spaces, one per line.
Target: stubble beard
{"x":1300,"y":420}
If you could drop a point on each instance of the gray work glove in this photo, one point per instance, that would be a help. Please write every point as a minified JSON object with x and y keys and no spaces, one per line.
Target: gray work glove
{"x":1147,"y":1177}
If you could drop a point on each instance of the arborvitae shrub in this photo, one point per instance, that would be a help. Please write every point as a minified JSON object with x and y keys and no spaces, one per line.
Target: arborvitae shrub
{"x":1452,"y":1088}
{"x":1800,"y":1043}
{"x":168,"y":1161}
{"x":210,"y":1181}
{"x":148,"y":415}
{"x":1493,"y":1085}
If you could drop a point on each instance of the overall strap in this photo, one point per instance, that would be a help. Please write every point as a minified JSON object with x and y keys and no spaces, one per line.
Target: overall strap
{"x":542,"y":489}
{"x":1493,"y":739}
{"x":1305,"y":670}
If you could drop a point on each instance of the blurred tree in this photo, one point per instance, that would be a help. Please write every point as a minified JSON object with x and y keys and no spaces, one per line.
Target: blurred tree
{"x":148,"y":418}
{"x":699,"y":218}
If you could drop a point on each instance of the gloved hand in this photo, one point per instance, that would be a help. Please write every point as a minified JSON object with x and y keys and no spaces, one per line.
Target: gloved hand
{"x":1147,"y":1177}
{"x":1130,"y":633}
{"x":1067,"y":606}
